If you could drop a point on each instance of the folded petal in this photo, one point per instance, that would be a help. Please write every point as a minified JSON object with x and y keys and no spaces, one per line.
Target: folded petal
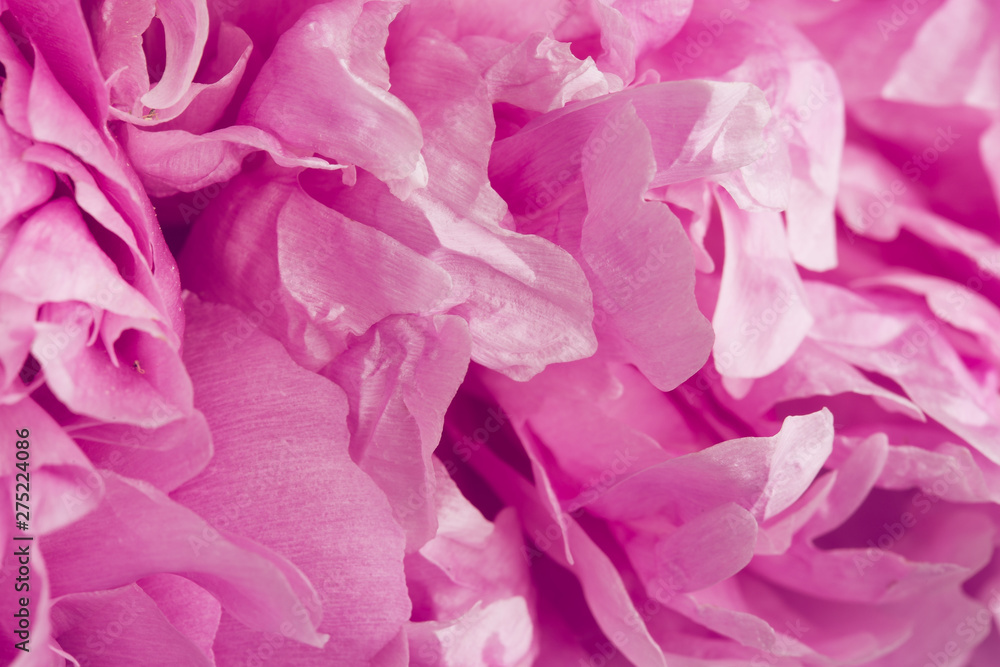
{"x":66,"y":486}
{"x":629,"y":263}
{"x":254,"y":584}
{"x":399,"y":378}
{"x":299,"y":424}
{"x":344,"y":114}
{"x":698,"y":128}
{"x":185,"y":28}
{"x":119,"y":626}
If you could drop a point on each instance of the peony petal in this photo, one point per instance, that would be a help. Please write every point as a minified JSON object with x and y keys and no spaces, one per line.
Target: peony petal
{"x":185,"y":27}
{"x":761,"y":316}
{"x":116,"y":30}
{"x":166,"y":456}
{"x":761,"y":475}
{"x":258,"y":246}
{"x":29,"y":185}
{"x":662,"y":332}
{"x":171,"y":161}
{"x":254,"y":584}
{"x":712,"y":128}
{"x":399,"y":378}
{"x":299,"y":423}
{"x":66,"y":487}
{"x":61,"y":40}
{"x":119,"y":626}
{"x":345,"y":116}
{"x":187,"y":606}
{"x":539,"y":73}
{"x":497,"y":633}
{"x":813,"y":371}
{"x":603,"y":587}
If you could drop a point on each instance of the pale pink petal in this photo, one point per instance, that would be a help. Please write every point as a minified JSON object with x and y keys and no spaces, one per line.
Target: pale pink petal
{"x":761,"y":315}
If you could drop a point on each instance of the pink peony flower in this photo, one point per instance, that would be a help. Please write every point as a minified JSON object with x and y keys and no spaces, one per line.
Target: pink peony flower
{"x":574,"y":332}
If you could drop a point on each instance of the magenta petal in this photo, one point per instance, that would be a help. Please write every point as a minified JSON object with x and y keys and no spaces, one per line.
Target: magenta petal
{"x":540,"y":74}
{"x":65,"y":485}
{"x":398,"y":280}
{"x":952,"y":58}
{"x":171,"y":161}
{"x":93,"y":200}
{"x":813,"y":371}
{"x":27,"y":185}
{"x":61,"y":38}
{"x":762,"y":475}
{"x":399,"y":378}
{"x":499,"y":277}
{"x":698,"y":128}
{"x":876,"y":337}
{"x":471,"y":587}
{"x":602,"y":584}
{"x":299,"y":423}
{"x":253,"y":583}
{"x":185,"y":27}
{"x":502,"y":277}
{"x":189,"y":608}
{"x":83,"y":376}
{"x":709,"y":548}
{"x":498,"y":633}
{"x":653,"y":25}
{"x":202,"y":104}
{"x":268,"y":248}
{"x":633,"y":249}
{"x":86,"y":625}
{"x":17,"y":330}
{"x":989,"y":147}
{"x":16,"y":85}
{"x":308,"y":96}
{"x":117,"y":34}
{"x":166,"y":455}
{"x":55,"y":258}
